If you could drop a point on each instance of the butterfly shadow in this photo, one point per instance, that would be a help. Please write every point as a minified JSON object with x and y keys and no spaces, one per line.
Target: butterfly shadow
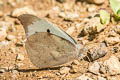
{"x":43,"y":69}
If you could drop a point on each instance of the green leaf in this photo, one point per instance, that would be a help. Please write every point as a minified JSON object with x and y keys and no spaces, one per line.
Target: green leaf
{"x":104,"y":17}
{"x":115,"y":5}
{"x":99,"y":27}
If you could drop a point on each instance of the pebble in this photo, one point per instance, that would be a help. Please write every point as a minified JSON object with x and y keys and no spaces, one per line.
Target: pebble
{"x":74,"y":69}
{"x":62,"y":14}
{"x":2,"y":70}
{"x":114,"y":78}
{"x":11,"y":68}
{"x":14,"y":71}
{"x":101,"y":78}
{"x":3,"y":34}
{"x":64,"y":70}
{"x":2,"y":3}
{"x":12,"y":3}
{"x":19,"y":65}
{"x":70,"y":30}
{"x":79,"y":26}
{"x":14,"y":77}
{"x":56,"y":9}
{"x":67,"y":6}
{"x":4,"y":43}
{"x":12,"y":49}
{"x":112,"y":33}
{"x":96,"y":1}
{"x":20,"y":43}
{"x":95,"y":50}
{"x":93,"y":26}
{"x":20,"y":57}
{"x":112,"y":66}
{"x":20,"y":1}
{"x":91,"y":8}
{"x":1,"y":13}
{"x":69,"y":16}
{"x":11,"y":37}
{"x":117,"y":29}
{"x":112,"y":40}
{"x":24,"y":10}
{"x":94,"y":68}
{"x":84,"y":77}
{"x":5,"y":25}
{"x":75,"y":62}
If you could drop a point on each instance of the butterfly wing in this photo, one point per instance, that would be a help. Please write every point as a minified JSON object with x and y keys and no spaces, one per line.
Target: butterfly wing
{"x":33,"y":24}
{"x":47,"y":49}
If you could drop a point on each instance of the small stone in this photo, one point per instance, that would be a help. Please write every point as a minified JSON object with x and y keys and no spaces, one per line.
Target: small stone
{"x":20,"y":44}
{"x":2,"y":3}
{"x":62,"y":14}
{"x":117,"y":29}
{"x":3,"y":34}
{"x":1,"y":13}
{"x":64,"y":70}
{"x":69,"y":16}
{"x":101,"y":78}
{"x":95,"y":51}
{"x":6,"y":25}
{"x":112,"y":66}
{"x":11,"y":68}
{"x":20,"y":1}
{"x":12,"y":3}
{"x":11,"y":37}
{"x":19,"y":65}
{"x":4,"y":43}
{"x":84,"y":77}
{"x":112,"y":40}
{"x":76,"y":62}
{"x":12,"y":49}
{"x":20,"y":57}
{"x":70,"y":30}
{"x":112,"y":33}
{"x":14,"y":71}
{"x":14,"y":77}
{"x":94,"y":68}
{"x":93,"y":26}
{"x":67,"y":5}
{"x":83,"y":41}
{"x":56,"y":8}
{"x":79,"y":26}
{"x":91,"y":8}
{"x":103,"y":69}
{"x":24,"y":10}
{"x":114,"y":78}
{"x":2,"y":70}
{"x":74,"y":69}
{"x":58,"y":74}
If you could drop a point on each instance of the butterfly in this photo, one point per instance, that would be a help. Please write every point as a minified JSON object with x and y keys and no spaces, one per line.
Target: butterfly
{"x":47,"y":45}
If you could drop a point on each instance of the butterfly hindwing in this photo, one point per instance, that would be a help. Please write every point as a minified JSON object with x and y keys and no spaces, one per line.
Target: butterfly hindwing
{"x":47,"y":45}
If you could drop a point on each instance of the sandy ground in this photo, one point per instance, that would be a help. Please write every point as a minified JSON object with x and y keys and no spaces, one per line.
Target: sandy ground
{"x":14,"y":62}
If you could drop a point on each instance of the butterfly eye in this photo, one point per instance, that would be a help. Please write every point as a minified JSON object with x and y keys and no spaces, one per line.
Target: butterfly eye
{"x":48,"y":30}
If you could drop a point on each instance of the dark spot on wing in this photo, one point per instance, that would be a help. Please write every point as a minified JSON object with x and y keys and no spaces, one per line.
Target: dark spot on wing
{"x":48,"y":30}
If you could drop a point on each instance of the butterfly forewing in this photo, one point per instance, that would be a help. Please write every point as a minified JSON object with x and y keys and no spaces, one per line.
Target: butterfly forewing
{"x":47,"y":50}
